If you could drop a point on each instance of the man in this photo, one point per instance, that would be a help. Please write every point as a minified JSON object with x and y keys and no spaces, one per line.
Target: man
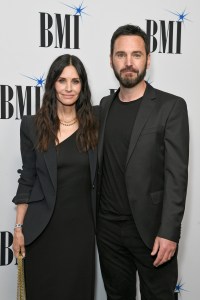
{"x":143,"y":161}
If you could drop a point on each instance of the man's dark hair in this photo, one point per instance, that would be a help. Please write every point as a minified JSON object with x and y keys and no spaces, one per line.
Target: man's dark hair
{"x":130,"y":30}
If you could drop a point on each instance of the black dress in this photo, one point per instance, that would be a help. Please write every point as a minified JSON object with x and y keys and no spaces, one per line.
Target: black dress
{"x":59,"y":264}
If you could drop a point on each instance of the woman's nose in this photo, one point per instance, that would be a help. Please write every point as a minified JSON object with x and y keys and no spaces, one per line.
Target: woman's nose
{"x":68,"y":87}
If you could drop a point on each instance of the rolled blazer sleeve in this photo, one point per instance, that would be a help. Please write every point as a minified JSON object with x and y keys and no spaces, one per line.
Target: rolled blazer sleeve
{"x":176,"y":141}
{"x":28,"y":172}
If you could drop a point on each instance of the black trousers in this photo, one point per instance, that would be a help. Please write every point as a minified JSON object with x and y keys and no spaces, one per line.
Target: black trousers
{"x":122,"y":253}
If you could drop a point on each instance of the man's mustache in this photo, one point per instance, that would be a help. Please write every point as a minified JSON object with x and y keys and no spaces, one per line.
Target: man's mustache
{"x":129,"y":69}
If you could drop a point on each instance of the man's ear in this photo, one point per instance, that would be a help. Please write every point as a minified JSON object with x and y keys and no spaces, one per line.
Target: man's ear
{"x":111,"y":64}
{"x":148,"y":61}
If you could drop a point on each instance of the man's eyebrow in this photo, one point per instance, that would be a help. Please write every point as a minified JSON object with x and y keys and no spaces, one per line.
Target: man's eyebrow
{"x":135,"y":51}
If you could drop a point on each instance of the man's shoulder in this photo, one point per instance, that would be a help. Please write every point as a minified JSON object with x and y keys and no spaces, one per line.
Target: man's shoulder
{"x":107,"y":99}
{"x":166,"y":96}
{"x":165,"y":99}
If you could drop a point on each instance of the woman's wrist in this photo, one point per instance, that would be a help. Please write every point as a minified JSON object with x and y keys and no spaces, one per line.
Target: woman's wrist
{"x":18,"y":226}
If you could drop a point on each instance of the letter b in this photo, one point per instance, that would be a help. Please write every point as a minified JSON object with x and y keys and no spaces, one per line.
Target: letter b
{"x":6,"y":254}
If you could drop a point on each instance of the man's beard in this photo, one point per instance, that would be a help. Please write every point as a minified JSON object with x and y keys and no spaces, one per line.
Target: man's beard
{"x":129,"y":81}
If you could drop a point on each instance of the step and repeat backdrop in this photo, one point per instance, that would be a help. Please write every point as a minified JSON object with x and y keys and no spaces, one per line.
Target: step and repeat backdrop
{"x":34,"y":33}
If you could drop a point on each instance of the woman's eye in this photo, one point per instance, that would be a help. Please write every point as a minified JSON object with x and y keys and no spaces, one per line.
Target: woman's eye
{"x":76,"y":81}
{"x":61,"y":80}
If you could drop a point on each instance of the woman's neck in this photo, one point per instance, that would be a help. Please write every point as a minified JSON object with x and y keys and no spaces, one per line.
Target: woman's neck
{"x":66,"y":113}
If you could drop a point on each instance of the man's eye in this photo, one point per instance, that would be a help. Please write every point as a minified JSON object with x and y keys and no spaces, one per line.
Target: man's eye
{"x":121,"y":55}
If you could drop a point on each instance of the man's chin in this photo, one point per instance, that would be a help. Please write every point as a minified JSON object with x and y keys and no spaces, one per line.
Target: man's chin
{"x":128,"y":83}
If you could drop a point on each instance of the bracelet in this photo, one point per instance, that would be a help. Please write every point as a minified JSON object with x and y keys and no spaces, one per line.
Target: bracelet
{"x":18,"y":225}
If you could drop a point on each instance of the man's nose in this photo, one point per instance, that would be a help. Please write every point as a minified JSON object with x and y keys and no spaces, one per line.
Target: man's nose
{"x":129,"y":60}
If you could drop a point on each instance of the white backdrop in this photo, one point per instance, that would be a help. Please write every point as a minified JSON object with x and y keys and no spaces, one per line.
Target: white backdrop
{"x":27,"y":49}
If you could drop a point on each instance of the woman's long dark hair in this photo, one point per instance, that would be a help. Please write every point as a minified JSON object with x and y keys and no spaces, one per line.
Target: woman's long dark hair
{"x":47,"y":121}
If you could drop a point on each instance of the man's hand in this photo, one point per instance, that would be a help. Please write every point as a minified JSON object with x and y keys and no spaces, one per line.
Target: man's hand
{"x":164,"y":249}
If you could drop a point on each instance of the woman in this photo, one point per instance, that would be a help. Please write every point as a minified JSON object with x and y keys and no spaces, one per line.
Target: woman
{"x":56,"y":194}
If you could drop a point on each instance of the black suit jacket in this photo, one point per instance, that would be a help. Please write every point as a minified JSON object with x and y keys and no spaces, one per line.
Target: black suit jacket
{"x":156,"y":163}
{"x":38,"y":181}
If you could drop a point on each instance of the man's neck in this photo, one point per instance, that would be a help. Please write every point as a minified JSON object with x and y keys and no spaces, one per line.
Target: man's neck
{"x":130,"y":94}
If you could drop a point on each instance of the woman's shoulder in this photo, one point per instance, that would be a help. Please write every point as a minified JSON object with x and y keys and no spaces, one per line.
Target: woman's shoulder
{"x":28,"y":123}
{"x":95,"y":109}
{"x":28,"y":119}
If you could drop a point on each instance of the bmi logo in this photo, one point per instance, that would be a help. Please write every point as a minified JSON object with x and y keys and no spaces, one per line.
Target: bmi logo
{"x":6,"y":253}
{"x":21,"y":100}
{"x":61,"y":30}
{"x":166,"y":36}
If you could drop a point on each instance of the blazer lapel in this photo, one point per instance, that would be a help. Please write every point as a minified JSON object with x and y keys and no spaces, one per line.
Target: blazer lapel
{"x":51,"y":163}
{"x":92,"y":154}
{"x":143,"y":114}
{"x":104,"y":109}
{"x":50,"y":158}
{"x":92,"y":161}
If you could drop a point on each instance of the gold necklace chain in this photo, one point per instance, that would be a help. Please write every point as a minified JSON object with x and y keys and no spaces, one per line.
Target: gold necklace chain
{"x":67,"y":124}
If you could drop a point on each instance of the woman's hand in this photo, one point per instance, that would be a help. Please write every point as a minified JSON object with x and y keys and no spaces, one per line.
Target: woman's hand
{"x":18,"y":242}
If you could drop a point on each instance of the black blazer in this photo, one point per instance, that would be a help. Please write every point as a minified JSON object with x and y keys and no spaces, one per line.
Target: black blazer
{"x":38,"y":181}
{"x":156,"y":163}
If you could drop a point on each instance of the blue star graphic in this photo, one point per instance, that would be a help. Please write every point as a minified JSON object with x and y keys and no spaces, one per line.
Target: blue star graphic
{"x":179,"y":288}
{"x":79,"y":10}
{"x":181,"y":16}
{"x":39,"y":81}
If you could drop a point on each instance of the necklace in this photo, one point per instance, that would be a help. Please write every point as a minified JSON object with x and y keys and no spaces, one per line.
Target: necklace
{"x":68,"y":123}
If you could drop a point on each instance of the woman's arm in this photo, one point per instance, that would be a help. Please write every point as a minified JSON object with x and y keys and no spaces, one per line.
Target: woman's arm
{"x":26,"y":182}
{"x":18,"y":242}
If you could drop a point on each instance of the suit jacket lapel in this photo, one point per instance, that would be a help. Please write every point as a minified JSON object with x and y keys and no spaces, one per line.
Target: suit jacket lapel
{"x":143,"y":114}
{"x":104,"y":109}
{"x":51,"y":163}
